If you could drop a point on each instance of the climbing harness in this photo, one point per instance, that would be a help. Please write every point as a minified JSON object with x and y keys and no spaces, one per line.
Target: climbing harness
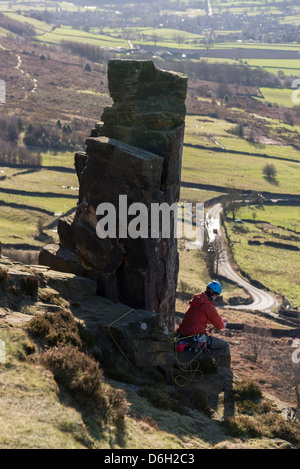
{"x":195,"y":344}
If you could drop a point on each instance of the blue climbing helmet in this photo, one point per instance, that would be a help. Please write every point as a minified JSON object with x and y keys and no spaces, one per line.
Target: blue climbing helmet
{"x":215,"y":287}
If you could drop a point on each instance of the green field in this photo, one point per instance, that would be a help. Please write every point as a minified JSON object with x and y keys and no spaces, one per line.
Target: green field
{"x":237,"y":170}
{"x":280,"y":96}
{"x":256,"y":45}
{"x":271,"y":151}
{"x":274,"y":267}
{"x":40,"y":27}
{"x":241,"y":169}
{"x":170,"y":38}
{"x":251,"y":7}
{"x":295,"y":20}
{"x":287,"y":66}
{"x":164,"y":34}
{"x":70,"y":34}
{"x":43,"y":195}
{"x":3,"y":32}
{"x":65,"y":159}
{"x":37,"y":5}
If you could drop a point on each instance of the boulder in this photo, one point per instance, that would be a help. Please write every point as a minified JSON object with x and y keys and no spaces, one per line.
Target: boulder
{"x":71,"y":287}
{"x":126,"y":336}
{"x":61,"y":259}
{"x":22,"y":282}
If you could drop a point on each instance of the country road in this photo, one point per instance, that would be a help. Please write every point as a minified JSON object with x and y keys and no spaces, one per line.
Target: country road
{"x":262,"y":300}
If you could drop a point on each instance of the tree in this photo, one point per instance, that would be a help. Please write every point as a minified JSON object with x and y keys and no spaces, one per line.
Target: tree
{"x":269,"y":171}
{"x":219,"y":253}
{"x":233,"y":201}
{"x":155,"y":38}
{"x":288,"y":117}
{"x":256,"y":339}
{"x":216,"y":254}
{"x":208,"y":42}
{"x":178,"y":38}
{"x":40,"y":226}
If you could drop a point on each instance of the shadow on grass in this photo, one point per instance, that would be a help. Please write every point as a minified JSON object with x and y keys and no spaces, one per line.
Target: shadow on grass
{"x":98,"y":428}
{"x":271,"y":180}
{"x":186,"y":416}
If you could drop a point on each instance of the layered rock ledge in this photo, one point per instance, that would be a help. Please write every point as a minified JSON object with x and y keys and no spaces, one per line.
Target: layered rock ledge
{"x":134,"y":152}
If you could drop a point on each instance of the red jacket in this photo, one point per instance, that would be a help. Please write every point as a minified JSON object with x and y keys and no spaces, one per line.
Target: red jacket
{"x":200,"y":313}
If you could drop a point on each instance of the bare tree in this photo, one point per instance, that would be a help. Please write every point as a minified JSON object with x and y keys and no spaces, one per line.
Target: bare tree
{"x":256,"y":339}
{"x":233,"y":201}
{"x":219,"y":253}
{"x":216,"y":254}
{"x":40,"y":226}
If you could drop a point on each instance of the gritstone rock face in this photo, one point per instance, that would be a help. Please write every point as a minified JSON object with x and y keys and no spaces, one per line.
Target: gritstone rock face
{"x":135,"y":151}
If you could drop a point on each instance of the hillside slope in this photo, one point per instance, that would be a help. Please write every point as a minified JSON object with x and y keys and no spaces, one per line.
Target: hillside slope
{"x":37,"y":411}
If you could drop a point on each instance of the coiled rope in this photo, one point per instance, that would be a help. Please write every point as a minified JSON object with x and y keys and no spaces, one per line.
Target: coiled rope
{"x":187,"y":369}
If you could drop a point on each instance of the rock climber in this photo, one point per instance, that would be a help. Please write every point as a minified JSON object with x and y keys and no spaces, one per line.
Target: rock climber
{"x":201,"y":314}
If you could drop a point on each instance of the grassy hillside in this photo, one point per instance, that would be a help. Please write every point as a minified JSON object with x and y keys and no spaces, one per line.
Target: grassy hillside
{"x":213,"y":156}
{"x":272,"y":265}
{"x":287,"y":66}
{"x":282,"y":97}
{"x":68,"y":33}
{"x":51,"y":410}
{"x":33,"y":198}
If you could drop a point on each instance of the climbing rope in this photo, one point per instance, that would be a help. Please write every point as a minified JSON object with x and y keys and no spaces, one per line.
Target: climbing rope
{"x":118,"y":319}
{"x":187,"y":369}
